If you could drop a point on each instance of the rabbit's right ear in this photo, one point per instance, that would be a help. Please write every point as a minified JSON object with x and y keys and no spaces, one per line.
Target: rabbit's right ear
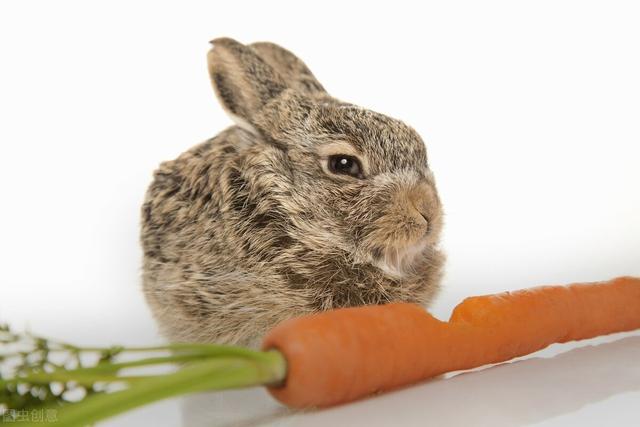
{"x":242,"y":80}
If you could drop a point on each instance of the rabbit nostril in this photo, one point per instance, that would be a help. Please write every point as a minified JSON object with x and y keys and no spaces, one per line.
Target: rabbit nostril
{"x":421,"y":212}
{"x":428,"y":225}
{"x":425,"y":217}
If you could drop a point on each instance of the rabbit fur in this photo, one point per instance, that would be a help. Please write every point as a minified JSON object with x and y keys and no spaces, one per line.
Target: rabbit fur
{"x":251,"y":227}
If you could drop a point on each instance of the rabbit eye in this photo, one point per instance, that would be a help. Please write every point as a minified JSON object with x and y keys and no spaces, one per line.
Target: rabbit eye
{"x":345,"y":165}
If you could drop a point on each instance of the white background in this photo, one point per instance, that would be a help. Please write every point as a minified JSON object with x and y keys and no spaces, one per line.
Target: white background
{"x":530,"y":110}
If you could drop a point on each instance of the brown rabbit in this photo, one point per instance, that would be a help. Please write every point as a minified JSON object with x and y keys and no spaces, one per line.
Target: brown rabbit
{"x":308,"y":203}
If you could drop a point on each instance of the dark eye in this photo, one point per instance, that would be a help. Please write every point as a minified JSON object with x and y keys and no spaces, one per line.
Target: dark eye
{"x":345,"y":165}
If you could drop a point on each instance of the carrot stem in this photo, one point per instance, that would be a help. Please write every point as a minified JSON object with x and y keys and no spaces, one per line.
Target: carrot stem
{"x":210,"y":374}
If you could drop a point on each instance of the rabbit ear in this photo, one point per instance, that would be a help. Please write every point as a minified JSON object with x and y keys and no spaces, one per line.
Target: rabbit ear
{"x":290,"y":67}
{"x":242,"y":80}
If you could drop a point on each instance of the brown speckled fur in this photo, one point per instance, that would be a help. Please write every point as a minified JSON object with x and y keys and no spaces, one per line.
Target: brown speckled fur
{"x":250,"y":228}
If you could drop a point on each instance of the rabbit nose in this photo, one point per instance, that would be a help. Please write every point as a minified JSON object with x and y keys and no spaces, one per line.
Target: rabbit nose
{"x":423,"y":215}
{"x":419,"y":197}
{"x":420,"y":211}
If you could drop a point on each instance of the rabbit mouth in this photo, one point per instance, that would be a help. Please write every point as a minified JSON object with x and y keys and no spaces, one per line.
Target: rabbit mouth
{"x":400,"y":262}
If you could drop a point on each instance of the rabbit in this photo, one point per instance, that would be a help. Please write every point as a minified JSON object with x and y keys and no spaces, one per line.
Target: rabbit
{"x":306,"y":204}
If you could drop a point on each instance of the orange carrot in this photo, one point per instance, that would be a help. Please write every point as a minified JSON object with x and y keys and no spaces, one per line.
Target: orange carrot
{"x":341,"y":355}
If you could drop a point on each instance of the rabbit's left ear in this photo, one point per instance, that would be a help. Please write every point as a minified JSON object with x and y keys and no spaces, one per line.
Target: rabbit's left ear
{"x":242,"y":80}
{"x":290,"y":67}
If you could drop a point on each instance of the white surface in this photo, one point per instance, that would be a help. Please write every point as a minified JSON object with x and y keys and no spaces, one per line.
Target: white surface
{"x":530,"y":113}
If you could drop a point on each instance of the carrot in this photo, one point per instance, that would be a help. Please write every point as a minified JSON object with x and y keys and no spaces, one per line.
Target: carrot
{"x":341,"y":355}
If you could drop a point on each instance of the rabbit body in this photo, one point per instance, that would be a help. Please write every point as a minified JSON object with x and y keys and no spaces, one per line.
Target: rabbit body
{"x":308,"y":203}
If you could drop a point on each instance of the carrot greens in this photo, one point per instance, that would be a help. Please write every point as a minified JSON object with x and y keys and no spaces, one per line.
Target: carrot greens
{"x":77,"y":386}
